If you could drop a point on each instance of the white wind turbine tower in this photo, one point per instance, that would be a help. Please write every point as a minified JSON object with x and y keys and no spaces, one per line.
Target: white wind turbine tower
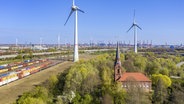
{"x":135,"y":26}
{"x":75,"y":9}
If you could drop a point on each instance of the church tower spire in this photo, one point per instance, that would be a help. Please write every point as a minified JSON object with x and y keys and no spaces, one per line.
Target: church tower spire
{"x":117,"y":65}
{"x":117,"y":59}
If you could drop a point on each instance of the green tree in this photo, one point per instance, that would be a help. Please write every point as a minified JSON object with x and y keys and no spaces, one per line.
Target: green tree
{"x":19,"y":56}
{"x":59,"y":100}
{"x":160,"y":93}
{"x":39,"y":95}
{"x":87,"y":99}
{"x":31,"y":100}
{"x":165,"y":79}
{"x":177,"y":92}
{"x":164,"y":71}
{"x":106,"y":75}
{"x":140,"y":62}
{"x":129,"y":66}
{"x":90,"y":83}
{"x":30,"y":54}
{"x":153,"y":67}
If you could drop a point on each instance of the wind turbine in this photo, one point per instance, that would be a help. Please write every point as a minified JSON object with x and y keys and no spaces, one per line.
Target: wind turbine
{"x":135,"y":26}
{"x":75,"y":9}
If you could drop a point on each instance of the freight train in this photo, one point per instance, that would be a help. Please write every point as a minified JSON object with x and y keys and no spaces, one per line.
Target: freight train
{"x":17,"y":71}
{"x":17,"y":65}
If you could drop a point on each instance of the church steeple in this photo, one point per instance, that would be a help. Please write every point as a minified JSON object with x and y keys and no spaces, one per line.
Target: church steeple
{"x":117,"y":65}
{"x":117,"y":59}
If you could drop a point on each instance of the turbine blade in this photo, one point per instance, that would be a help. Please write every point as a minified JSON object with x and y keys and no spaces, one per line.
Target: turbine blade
{"x":69,"y":17}
{"x":134,"y":16}
{"x":80,"y":10}
{"x":130,"y":28}
{"x":138,"y":27}
{"x":73,"y":2}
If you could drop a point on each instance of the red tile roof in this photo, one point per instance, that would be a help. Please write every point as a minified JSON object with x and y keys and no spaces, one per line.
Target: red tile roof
{"x":133,"y":75}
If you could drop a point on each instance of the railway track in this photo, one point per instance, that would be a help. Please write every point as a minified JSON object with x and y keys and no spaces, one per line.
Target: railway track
{"x":15,"y":73}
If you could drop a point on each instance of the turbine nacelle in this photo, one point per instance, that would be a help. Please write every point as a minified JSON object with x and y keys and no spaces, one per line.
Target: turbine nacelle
{"x":134,"y":23}
{"x":74,"y":8}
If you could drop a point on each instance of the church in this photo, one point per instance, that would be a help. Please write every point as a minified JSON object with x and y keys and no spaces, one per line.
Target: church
{"x":128,"y":79}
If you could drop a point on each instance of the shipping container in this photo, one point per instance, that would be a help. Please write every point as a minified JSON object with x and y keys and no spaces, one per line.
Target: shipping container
{"x":1,"y":67}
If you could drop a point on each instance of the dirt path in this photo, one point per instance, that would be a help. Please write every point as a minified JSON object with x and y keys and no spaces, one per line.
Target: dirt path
{"x":180,"y":64}
{"x":9,"y":93}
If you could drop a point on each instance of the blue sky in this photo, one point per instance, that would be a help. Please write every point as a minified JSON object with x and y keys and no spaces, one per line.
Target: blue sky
{"x":105,"y":20}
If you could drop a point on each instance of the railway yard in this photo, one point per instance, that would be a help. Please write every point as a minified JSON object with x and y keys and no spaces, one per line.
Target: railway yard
{"x":18,"y":70}
{"x":19,"y":77}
